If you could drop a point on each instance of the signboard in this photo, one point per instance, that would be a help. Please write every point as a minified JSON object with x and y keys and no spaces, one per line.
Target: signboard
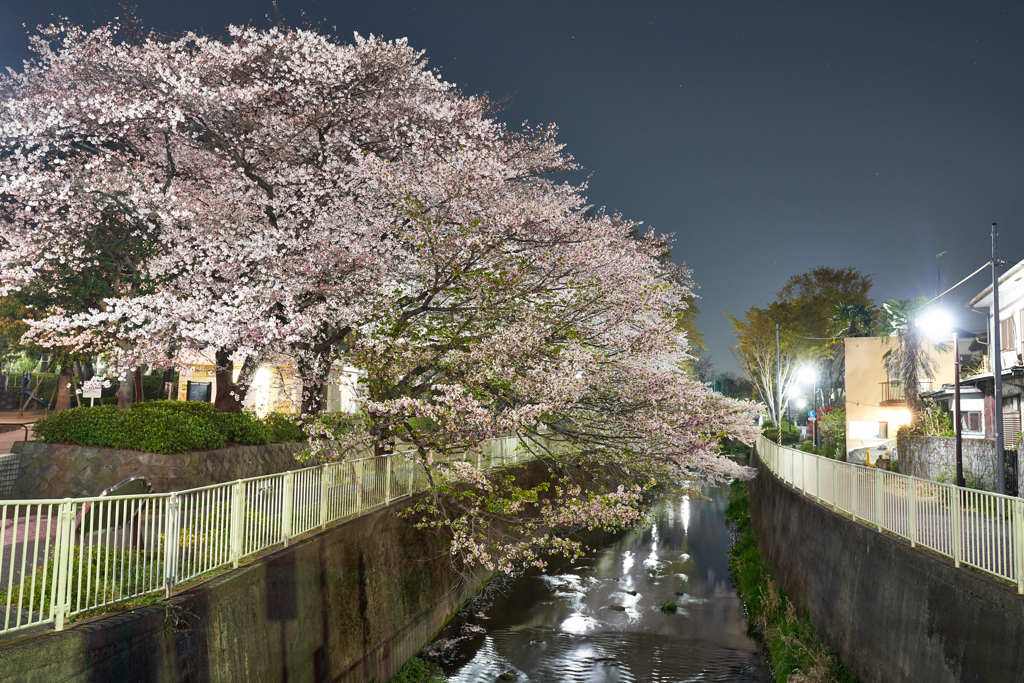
{"x":810,"y":415}
{"x":199,"y":391}
{"x":92,"y":388}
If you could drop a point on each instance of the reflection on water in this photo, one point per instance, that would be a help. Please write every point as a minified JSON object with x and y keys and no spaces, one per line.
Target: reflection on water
{"x":601,"y":619}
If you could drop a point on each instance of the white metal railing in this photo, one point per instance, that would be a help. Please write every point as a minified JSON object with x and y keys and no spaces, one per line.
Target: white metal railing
{"x":976,"y":528}
{"x":60,"y":558}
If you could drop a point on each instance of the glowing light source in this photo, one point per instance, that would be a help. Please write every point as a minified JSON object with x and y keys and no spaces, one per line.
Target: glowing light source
{"x":936,"y":323}
{"x":807,"y":374}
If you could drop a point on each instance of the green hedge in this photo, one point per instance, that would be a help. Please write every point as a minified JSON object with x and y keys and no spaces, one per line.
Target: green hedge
{"x":154,"y":426}
{"x":284,"y":428}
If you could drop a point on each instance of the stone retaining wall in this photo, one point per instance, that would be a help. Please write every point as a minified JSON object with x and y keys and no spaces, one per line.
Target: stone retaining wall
{"x":71,"y":471}
{"x":934,"y":458}
{"x":9,"y":466}
{"x":893,"y":613}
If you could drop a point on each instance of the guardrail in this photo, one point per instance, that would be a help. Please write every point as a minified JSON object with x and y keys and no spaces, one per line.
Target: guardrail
{"x":60,"y":558}
{"x":975,"y":528}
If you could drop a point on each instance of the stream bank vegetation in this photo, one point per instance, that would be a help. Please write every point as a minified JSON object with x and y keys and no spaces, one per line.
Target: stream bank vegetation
{"x":795,"y":651}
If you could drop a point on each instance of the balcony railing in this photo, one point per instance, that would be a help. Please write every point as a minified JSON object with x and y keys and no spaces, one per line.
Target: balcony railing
{"x":893,"y":391}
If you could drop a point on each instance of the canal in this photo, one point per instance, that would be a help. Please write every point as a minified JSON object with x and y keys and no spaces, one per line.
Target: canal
{"x":604,"y":617}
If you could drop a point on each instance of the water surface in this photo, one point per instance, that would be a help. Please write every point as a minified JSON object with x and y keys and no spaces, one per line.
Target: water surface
{"x":600,"y":619}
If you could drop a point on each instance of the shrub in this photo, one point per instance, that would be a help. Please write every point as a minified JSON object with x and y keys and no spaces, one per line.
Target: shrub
{"x":833,"y":434}
{"x":154,"y":426}
{"x":418,"y":670}
{"x":242,"y":428}
{"x":284,"y":428}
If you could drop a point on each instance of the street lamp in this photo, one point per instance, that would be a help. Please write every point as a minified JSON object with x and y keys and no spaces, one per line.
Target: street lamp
{"x":937,"y":324}
{"x":808,"y":374}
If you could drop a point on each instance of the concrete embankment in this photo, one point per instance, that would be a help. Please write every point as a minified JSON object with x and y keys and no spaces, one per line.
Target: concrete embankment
{"x":891,"y":612}
{"x":350,"y":604}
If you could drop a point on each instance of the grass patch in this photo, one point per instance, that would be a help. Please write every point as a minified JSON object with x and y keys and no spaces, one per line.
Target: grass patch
{"x":795,"y":650}
{"x":418,"y":670}
{"x":669,"y":606}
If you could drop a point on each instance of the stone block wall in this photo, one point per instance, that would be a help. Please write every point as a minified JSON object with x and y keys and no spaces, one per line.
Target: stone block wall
{"x":70,"y":471}
{"x":934,"y":458}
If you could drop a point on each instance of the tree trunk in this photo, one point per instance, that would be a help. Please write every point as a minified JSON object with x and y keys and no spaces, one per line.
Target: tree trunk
{"x":126,"y":391}
{"x":139,"y":397}
{"x":225,"y":368}
{"x":232,"y":398}
{"x":167,"y":379}
{"x":84,"y":369}
{"x":65,"y":378}
{"x":314,"y":368}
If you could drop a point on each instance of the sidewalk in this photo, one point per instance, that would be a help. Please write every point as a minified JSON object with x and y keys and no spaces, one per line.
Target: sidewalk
{"x":9,"y":417}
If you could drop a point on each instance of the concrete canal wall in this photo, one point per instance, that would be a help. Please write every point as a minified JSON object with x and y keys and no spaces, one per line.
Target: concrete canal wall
{"x":891,"y":612}
{"x":350,"y":604}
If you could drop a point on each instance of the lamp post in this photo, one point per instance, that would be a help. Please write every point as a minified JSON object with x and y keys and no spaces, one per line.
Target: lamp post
{"x":809,"y":375}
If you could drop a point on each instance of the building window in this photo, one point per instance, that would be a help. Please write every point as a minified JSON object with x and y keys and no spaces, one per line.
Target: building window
{"x":970,"y":421}
{"x":1007,"y":336}
{"x":883,"y":430}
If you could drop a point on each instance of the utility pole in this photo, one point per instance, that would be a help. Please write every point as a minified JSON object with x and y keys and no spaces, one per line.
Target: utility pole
{"x":956,"y":410}
{"x":997,"y":371}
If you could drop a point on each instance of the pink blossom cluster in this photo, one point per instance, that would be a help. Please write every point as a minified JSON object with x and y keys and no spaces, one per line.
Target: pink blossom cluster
{"x":280,"y":192}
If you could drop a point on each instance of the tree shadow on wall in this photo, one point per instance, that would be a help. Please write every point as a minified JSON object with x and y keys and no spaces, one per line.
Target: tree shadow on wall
{"x":282,"y":599}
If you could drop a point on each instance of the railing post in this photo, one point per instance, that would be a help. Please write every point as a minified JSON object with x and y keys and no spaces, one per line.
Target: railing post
{"x":324,"y":487}
{"x":412,"y":473}
{"x":817,"y":478}
{"x":62,"y":572}
{"x":387,"y":480}
{"x":913,"y":512}
{"x":478,"y":456}
{"x":357,"y":473}
{"x":237,"y":514}
{"x":172,"y":541}
{"x":834,"y":466}
{"x":879,"y":492}
{"x":1018,"y":541}
{"x":957,"y":518}
{"x":853,"y":492}
{"x":287,"y":506}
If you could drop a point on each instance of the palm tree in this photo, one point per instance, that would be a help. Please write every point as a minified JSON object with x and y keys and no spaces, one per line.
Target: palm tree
{"x":847,"y":320}
{"x":910,"y":359}
{"x":852,"y":320}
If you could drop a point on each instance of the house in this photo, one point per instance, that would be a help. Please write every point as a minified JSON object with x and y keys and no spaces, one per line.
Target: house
{"x":276,"y":386}
{"x":1010,"y":319}
{"x":973,"y":411}
{"x":876,"y":405}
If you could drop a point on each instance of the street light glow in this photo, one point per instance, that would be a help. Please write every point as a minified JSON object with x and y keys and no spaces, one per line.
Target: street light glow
{"x":936,"y":323}
{"x":807,"y":374}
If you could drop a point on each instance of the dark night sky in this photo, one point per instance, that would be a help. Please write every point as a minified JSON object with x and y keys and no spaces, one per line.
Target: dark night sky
{"x":769,"y":137}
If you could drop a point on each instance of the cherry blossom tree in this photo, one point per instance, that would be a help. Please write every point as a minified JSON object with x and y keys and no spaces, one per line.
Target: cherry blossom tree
{"x":284,"y":192}
{"x":236,"y":159}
